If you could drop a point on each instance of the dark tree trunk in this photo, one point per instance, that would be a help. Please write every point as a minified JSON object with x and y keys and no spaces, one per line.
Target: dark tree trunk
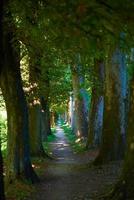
{"x":45,"y":104}
{"x":35,"y":115}
{"x":18,"y":158}
{"x":124,"y":189}
{"x":2,"y":195}
{"x":46,"y":116}
{"x":128,"y":171}
{"x":95,"y":120}
{"x":112,"y":146}
{"x":96,"y":108}
{"x":35,"y":131}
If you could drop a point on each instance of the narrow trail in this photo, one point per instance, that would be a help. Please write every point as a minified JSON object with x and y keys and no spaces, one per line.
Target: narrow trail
{"x":69,"y":176}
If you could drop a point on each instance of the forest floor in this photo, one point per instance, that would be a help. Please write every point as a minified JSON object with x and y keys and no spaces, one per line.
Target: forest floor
{"x":71,"y":176}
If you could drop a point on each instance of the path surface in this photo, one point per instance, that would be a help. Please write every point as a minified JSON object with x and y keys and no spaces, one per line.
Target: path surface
{"x":69,"y":176}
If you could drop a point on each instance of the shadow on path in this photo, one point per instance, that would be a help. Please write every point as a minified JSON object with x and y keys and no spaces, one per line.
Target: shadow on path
{"x":69,"y":176}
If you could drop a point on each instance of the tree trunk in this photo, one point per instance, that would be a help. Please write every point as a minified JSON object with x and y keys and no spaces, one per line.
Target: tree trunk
{"x":124,"y":189}
{"x":36,"y":131}
{"x":71,"y":111}
{"x":112,"y":146}
{"x":79,"y":113}
{"x":46,"y":116}
{"x":96,"y":109}
{"x":18,"y":158}
{"x":95,"y":120}
{"x":128,"y":171}
{"x":2,"y":195}
{"x":68,"y":113}
{"x":52,"y":121}
{"x":35,"y":115}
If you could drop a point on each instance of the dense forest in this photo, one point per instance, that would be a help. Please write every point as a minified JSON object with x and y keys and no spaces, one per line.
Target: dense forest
{"x":70,"y":62}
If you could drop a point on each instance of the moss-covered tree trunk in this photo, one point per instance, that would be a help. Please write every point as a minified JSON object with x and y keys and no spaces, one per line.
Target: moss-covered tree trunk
{"x":96,"y":107}
{"x":18,"y":149}
{"x":79,"y":111}
{"x":112,"y":145}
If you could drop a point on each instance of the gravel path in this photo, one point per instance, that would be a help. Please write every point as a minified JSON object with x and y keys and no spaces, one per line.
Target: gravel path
{"x":69,"y":177}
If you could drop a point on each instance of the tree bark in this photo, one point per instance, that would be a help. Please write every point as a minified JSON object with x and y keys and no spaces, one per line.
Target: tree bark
{"x":128,"y":171}
{"x":36,"y":131}
{"x":2,"y":195}
{"x":124,"y":189}
{"x":112,"y":145}
{"x":35,"y":114}
{"x":2,"y":192}
{"x":79,"y":112}
{"x":96,"y":109}
{"x":71,"y":111}
{"x":68,"y":113}
{"x":18,"y":156}
{"x":52,"y":119}
{"x":46,"y":116}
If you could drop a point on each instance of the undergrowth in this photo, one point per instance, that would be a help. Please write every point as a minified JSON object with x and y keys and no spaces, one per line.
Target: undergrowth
{"x":19,"y":190}
{"x":50,"y":138}
{"x":77,"y":144}
{"x":3,"y":133}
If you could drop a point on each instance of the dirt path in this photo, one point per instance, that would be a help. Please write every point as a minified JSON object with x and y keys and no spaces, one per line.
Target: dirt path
{"x":69,"y":177}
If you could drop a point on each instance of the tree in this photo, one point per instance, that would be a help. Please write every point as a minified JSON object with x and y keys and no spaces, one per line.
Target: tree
{"x":97,"y":103}
{"x":80,"y":116}
{"x":124,"y":188}
{"x":35,"y":112}
{"x":18,"y":158}
{"x":2,"y":195}
{"x":113,"y":133}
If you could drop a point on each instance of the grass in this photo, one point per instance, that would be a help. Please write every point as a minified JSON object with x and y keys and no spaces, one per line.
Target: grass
{"x":50,"y":138}
{"x":77,"y":143}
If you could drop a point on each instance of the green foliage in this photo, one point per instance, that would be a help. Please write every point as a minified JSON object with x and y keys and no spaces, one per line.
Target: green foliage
{"x":3,"y":126}
{"x":52,"y":41}
{"x":3,"y":134}
{"x":130,"y":71}
{"x":50,"y":138}
{"x":24,"y":65}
